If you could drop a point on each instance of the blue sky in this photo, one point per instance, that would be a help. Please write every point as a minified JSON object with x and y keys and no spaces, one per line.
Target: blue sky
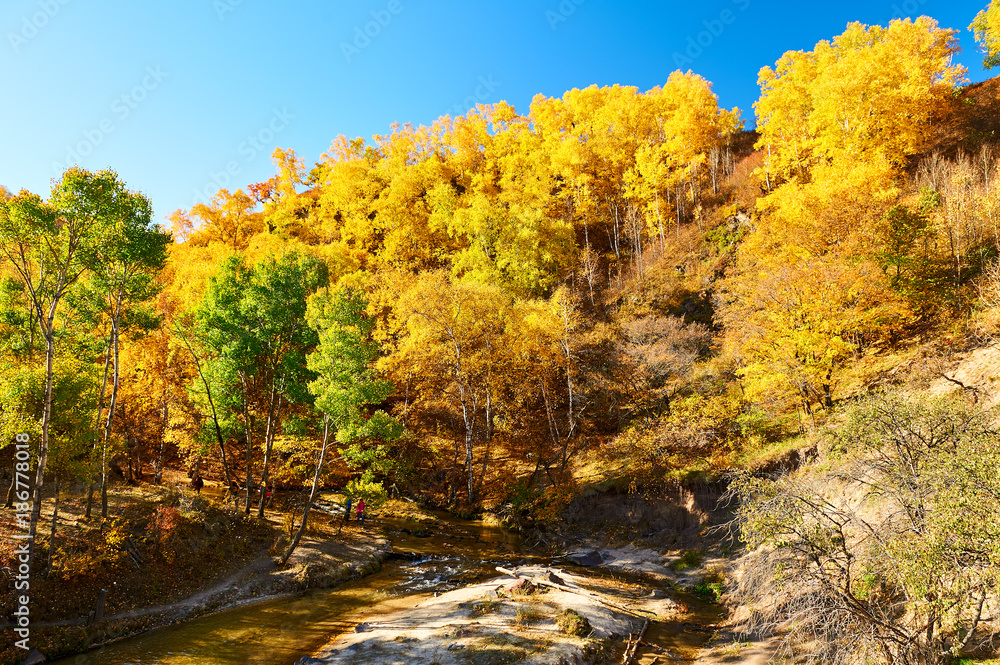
{"x":181,"y":97}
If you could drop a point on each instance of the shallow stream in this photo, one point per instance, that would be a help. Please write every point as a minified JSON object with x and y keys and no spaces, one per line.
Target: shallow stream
{"x":444,"y":556}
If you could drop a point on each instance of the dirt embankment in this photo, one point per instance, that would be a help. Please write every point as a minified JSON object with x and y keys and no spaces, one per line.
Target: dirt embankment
{"x":679,"y":540}
{"x":165,"y":557}
{"x":673,"y":519}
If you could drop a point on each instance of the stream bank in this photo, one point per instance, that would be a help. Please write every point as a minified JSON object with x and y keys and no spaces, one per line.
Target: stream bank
{"x":440,"y":579}
{"x":316,"y":564}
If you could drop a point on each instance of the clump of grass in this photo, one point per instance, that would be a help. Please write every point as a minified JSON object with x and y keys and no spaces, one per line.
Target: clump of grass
{"x":522,"y":588}
{"x":602,"y":650}
{"x":571,"y":622}
{"x":711,"y":585}
{"x":526,"y":615}
{"x":689,"y":559}
{"x":733,"y":648}
{"x":488,"y":606}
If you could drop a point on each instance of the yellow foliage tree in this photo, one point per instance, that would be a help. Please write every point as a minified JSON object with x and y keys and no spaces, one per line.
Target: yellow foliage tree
{"x":452,"y":355}
{"x":795,"y":325}
{"x":231,"y":218}
{"x":837,"y":124}
{"x":871,"y":90}
{"x":986,"y":27}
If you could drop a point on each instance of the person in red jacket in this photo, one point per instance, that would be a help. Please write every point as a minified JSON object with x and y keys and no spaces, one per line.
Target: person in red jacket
{"x":361,"y":511}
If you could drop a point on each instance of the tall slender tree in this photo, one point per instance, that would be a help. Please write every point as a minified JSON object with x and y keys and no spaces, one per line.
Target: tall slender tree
{"x":121,"y":281}
{"x":50,"y":244}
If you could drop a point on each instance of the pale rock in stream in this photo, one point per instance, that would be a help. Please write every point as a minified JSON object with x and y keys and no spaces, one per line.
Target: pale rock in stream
{"x":471,"y":624}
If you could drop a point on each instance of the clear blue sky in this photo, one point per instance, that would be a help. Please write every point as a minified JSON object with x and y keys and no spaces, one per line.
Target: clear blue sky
{"x":170,"y":94}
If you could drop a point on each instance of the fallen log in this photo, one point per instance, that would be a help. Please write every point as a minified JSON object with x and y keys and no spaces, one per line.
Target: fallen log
{"x":543,"y":581}
{"x":630,"y":651}
{"x":658,"y":649}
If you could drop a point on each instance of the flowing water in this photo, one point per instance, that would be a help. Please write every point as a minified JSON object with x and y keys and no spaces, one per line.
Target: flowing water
{"x":443,"y":557}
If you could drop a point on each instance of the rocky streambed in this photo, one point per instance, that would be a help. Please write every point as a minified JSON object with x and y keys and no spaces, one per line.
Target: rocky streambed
{"x":453,"y":591}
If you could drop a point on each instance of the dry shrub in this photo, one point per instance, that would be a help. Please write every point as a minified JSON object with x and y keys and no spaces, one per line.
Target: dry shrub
{"x":571,"y":622}
{"x":986,"y":321}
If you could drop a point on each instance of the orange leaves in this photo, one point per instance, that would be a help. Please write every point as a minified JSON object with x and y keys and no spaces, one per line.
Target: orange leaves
{"x":230,"y":218}
{"x":795,"y":324}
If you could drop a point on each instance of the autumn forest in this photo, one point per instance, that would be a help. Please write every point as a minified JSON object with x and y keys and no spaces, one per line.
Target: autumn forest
{"x":478,"y":313}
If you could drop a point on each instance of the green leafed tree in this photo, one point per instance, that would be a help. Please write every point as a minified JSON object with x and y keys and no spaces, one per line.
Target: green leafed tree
{"x":121,"y":281}
{"x":49,"y":246}
{"x":253,"y":320}
{"x":893,"y":556}
{"x":346,"y":387}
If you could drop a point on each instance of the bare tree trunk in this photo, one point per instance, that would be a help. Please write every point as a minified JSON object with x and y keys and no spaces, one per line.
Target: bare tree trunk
{"x":97,"y":424}
{"x":115,"y":383}
{"x":468,"y":464}
{"x":247,"y":429}
{"x":104,"y":482}
{"x":9,"y":503}
{"x":312,"y":492}
{"x":43,"y":448}
{"x":90,"y":500}
{"x":554,"y":433}
{"x":659,"y":221}
{"x":453,"y":483}
{"x":158,"y":474}
{"x":272,"y":414}
{"x":52,"y":533}
{"x":211,"y":404}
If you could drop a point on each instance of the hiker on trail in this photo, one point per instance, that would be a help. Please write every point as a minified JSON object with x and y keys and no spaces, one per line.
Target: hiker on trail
{"x":361,"y":511}
{"x":197,"y":483}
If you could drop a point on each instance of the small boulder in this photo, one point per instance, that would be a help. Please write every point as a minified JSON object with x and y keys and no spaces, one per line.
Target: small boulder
{"x":521,"y":586}
{"x":589,"y":559}
{"x":554,"y":579}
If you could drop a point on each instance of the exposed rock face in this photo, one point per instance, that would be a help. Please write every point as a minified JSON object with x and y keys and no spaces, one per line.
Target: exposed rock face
{"x":679,"y":514}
